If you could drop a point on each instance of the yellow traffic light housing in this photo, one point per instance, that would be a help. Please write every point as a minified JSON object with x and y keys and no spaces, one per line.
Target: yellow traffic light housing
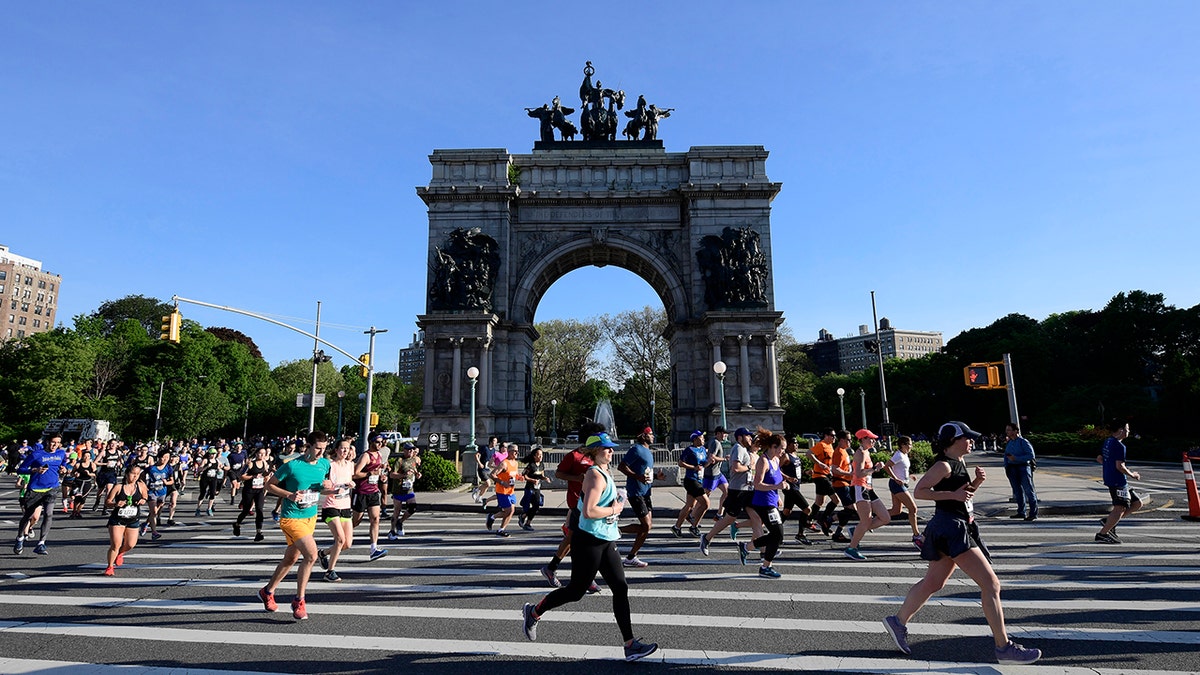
{"x":365,"y":360}
{"x":374,"y":419}
{"x":170,"y":327}
{"x":982,"y":376}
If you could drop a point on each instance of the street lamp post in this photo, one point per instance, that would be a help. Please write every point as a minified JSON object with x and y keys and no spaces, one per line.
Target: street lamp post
{"x":862,"y":395}
{"x":651,"y":414}
{"x":158,"y":410}
{"x":554,"y":421}
{"x":362,"y":422}
{"x":842,"y":405}
{"x":341,"y":397}
{"x":246,"y":421}
{"x":473,"y":374}
{"x":719,"y":368}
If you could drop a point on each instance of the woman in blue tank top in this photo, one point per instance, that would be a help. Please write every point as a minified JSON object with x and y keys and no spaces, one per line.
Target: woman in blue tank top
{"x":768,"y":481}
{"x":594,"y":549}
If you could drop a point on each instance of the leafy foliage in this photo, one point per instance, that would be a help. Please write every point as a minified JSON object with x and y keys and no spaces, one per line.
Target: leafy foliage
{"x":437,"y":474}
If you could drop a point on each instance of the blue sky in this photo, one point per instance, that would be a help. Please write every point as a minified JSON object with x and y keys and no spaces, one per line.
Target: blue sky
{"x":964,"y":160}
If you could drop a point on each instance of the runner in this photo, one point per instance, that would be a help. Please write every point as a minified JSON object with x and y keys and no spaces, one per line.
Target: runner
{"x":85,"y":472}
{"x":871,"y":511}
{"x":714,"y":478}
{"x":237,"y":464}
{"x":841,"y":475}
{"x":821,"y":454}
{"x":173,"y":489}
{"x":531,"y":500}
{"x":504,"y":475}
{"x":406,"y":469}
{"x":210,"y":481}
{"x":952,"y":540}
{"x":43,"y":465}
{"x":158,"y":477}
{"x":1116,"y":478}
{"x":692,"y":460}
{"x":638,"y":467}
{"x":125,"y":499}
{"x":742,"y":460}
{"x":367,"y":496}
{"x":335,"y":508}
{"x":483,"y":469}
{"x":254,"y":479}
{"x":108,"y":462}
{"x":594,"y":550}
{"x":899,"y":475}
{"x":301,"y":483}
{"x":768,"y":480}
{"x":571,"y":468}
{"x":792,"y":496}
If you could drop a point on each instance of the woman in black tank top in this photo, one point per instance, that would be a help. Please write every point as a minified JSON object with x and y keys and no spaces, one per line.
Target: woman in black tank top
{"x":952,"y":540}
{"x":126,"y":500}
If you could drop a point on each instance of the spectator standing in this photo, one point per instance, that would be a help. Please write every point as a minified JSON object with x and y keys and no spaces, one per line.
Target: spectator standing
{"x":1018,"y":466}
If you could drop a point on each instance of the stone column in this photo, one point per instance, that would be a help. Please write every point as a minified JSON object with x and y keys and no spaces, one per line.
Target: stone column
{"x":773,"y":371}
{"x":716,"y":385}
{"x":744,"y":370}
{"x":456,"y":376}
{"x":485,"y":373}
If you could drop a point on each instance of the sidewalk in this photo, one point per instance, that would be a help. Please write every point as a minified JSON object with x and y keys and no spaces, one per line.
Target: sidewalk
{"x":1058,"y":493}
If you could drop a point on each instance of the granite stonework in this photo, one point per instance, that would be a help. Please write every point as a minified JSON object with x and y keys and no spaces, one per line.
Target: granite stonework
{"x":556,"y":210}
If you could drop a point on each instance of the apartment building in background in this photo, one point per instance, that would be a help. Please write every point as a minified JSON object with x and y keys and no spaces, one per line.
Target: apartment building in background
{"x":29,"y":296}
{"x":412,"y":361}
{"x":852,"y":354}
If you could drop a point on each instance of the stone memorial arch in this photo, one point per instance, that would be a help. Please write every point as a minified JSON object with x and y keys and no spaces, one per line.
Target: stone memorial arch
{"x":504,"y":227}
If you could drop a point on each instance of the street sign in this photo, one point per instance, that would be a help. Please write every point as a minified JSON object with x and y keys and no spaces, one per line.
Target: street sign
{"x":302,"y":400}
{"x":888,"y":429}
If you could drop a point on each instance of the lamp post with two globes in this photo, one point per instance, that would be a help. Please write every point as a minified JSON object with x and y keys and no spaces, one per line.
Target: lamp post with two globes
{"x":719,"y":368}
{"x":554,"y":421}
{"x":473,"y":374}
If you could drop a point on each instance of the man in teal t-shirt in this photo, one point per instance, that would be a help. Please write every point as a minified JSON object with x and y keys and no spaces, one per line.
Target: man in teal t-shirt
{"x":300,"y":483}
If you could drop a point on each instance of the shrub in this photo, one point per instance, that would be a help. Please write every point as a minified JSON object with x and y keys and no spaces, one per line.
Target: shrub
{"x":437,"y":474}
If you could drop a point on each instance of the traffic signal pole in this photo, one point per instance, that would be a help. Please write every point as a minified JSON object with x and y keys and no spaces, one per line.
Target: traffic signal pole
{"x":366,"y":418}
{"x":1012,"y":391}
{"x":312,"y":398}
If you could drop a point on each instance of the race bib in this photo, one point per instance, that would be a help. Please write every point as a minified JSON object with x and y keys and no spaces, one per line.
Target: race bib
{"x":112,"y":463}
{"x":211,"y":473}
{"x":774,"y":517}
{"x":1123,"y":492}
{"x":306,"y":498}
{"x":611,"y":520}
{"x":235,"y":467}
{"x":157,"y":485}
{"x":372,"y":480}
{"x":127,"y":512}
{"x":406,"y":486}
{"x":258,"y":482}
{"x":343,"y":491}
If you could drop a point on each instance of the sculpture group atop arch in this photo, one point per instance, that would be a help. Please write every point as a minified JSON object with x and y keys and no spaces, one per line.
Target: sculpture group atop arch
{"x":505,"y":227}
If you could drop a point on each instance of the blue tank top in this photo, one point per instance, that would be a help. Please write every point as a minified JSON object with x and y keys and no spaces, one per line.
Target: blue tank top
{"x":768,"y":497}
{"x":602,"y":528}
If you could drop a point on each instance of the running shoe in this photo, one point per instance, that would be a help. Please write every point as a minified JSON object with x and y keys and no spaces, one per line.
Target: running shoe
{"x":274,"y":516}
{"x":502,"y":533}
{"x":531,"y":622}
{"x":156,"y":536}
{"x":378,"y":553}
{"x":733,"y":530}
{"x":109,"y":571}
{"x":918,"y":540}
{"x":840,"y":538}
{"x":676,"y":530}
{"x":824,"y":525}
{"x":491,"y":520}
{"x":639,"y":650}
{"x":40,"y":549}
{"x":898,"y":632}
{"x":143,"y":528}
{"x":768,"y":573}
{"x":593,"y":589}
{"x":694,"y":531}
{"x":268,"y":600}
{"x":400,"y":532}
{"x":170,"y":522}
{"x":237,"y":530}
{"x":1015,"y":653}
{"x":803,"y":539}
{"x":634,"y":562}
{"x":298,"y":610}
{"x":19,"y":546}
{"x":120,"y":559}
{"x":209,"y":512}
{"x":475,"y":495}
{"x":198,"y":514}
{"x":549,"y":576}
{"x":331,"y":575}
{"x":392,"y":536}
{"x":743,"y":552}
{"x":527,"y":527}
{"x":1112,"y":533}
{"x":853,"y":554}
{"x":704,"y":544}
{"x":1031,"y":517}
{"x":1102,"y":538}
{"x":1104,"y":521}
{"x":259,"y":536}
{"x":323,"y":558}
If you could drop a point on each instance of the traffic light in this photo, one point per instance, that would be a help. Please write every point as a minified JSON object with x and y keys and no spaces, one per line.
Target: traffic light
{"x":374,"y":419}
{"x":170,"y":327}
{"x":871,"y":346}
{"x":365,"y":360}
{"x":982,"y":376}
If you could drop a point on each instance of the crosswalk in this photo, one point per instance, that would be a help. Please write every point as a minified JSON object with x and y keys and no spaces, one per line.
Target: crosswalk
{"x":448,"y":598}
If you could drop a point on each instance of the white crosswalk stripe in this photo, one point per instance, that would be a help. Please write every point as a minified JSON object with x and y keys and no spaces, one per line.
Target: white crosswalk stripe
{"x":451,"y":588}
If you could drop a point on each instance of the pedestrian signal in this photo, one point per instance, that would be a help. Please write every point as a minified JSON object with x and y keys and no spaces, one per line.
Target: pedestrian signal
{"x":982,"y":376}
{"x":170,"y":327}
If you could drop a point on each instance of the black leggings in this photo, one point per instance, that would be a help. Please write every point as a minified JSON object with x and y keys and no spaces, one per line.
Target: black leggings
{"x":531,"y":503}
{"x":208,"y":488}
{"x":588,"y":556}
{"x":252,"y":497}
{"x":47,"y":500}
{"x":769,"y":542}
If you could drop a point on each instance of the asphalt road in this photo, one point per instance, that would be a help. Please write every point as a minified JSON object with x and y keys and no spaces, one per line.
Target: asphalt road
{"x":447,"y":599}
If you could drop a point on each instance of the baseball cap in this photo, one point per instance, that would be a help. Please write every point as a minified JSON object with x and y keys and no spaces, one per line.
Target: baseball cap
{"x":742,"y":431}
{"x":380,"y":437}
{"x":864,"y":433}
{"x":600,"y":440}
{"x":952,"y":431}
{"x":407,"y":445}
{"x":697,"y":433}
{"x":647,"y":430}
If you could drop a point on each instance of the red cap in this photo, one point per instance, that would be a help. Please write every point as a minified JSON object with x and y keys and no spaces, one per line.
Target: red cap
{"x":647,"y":430}
{"x":864,"y":433}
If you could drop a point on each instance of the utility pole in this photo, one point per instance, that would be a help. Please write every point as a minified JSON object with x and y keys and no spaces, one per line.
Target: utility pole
{"x":316,"y":359}
{"x":158,"y":410}
{"x":887,"y":437}
{"x":366,"y":420}
{"x":1012,"y":393}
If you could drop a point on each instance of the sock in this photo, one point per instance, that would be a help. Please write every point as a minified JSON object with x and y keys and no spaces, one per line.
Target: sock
{"x":553,"y":566}
{"x":374,"y":547}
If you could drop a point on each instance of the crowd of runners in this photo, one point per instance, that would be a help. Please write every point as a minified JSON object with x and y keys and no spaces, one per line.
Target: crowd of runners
{"x":749,"y":485}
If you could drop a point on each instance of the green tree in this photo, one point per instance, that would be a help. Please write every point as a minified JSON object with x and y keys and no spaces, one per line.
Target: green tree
{"x":564,"y":357}
{"x":147,"y":311}
{"x":640,"y":366}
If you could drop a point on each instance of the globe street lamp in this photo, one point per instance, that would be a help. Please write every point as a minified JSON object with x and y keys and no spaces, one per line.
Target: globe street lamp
{"x":341,"y":397}
{"x":651,"y":414}
{"x":554,"y":421}
{"x":863,"y":396}
{"x":473,"y":374}
{"x":719,"y":368}
{"x":842,"y":405}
